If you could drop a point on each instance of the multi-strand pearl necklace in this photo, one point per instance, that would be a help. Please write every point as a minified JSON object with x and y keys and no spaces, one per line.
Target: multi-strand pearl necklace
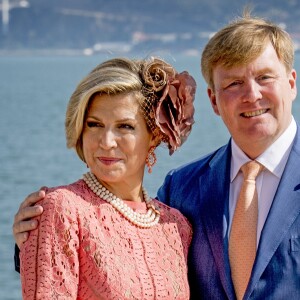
{"x":150,"y":218}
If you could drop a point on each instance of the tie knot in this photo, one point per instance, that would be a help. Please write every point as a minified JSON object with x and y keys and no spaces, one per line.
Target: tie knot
{"x":251,"y":169}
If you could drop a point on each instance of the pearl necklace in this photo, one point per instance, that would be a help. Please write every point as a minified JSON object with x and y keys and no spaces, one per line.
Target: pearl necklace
{"x":150,"y":218}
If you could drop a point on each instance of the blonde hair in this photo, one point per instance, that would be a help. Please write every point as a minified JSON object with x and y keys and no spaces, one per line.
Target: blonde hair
{"x":112,"y":77}
{"x":243,"y":40}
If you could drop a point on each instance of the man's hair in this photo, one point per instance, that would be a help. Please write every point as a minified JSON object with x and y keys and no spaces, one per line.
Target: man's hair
{"x":243,"y":40}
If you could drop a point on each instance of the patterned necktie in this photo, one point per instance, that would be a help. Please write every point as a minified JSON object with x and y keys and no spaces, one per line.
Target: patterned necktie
{"x":242,"y":242}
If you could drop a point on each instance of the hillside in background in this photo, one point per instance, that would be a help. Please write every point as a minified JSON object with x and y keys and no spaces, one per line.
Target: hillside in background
{"x":128,"y":25}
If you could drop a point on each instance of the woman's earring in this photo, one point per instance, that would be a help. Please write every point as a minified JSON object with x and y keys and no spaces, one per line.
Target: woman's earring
{"x":151,"y":159}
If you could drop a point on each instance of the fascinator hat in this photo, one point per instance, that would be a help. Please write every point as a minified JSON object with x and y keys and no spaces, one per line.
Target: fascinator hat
{"x":168,"y":106}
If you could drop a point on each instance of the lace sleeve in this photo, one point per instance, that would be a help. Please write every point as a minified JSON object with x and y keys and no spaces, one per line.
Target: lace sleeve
{"x":49,"y":258}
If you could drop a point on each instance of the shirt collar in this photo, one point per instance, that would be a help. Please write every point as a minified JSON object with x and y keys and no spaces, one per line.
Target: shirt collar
{"x":274,"y":158}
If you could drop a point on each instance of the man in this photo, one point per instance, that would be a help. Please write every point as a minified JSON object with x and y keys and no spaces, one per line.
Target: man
{"x":248,"y":66}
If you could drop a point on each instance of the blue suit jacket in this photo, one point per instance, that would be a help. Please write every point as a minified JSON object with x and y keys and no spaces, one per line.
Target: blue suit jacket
{"x":200,"y":190}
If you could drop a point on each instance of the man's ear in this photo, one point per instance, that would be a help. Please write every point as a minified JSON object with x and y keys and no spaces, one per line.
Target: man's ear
{"x":212,"y":97}
{"x":292,"y":82}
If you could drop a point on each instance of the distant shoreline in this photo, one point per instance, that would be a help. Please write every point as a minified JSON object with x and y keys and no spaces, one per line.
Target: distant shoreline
{"x":87,"y":52}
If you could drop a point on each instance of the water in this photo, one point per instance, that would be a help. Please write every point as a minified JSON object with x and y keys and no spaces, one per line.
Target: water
{"x":34,"y":92}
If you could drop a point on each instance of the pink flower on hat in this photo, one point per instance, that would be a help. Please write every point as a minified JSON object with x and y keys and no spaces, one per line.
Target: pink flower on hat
{"x":170,"y":96}
{"x":175,"y":110}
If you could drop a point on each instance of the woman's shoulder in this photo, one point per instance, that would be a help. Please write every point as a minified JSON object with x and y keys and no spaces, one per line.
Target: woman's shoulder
{"x":66,"y":188}
{"x":70,"y":195}
{"x":166,"y":208}
{"x":168,"y":212}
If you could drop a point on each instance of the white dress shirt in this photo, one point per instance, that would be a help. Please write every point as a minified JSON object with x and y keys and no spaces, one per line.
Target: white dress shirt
{"x":274,"y":160}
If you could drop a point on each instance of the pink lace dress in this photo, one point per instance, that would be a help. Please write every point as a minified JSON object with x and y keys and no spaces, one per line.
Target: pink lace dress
{"x":85,"y":249}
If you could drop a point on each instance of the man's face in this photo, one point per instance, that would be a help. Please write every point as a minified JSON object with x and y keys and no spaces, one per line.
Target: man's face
{"x":255,"y":100}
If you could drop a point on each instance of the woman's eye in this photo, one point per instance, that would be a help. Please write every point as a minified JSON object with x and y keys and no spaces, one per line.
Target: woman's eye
{"x":127,"y":126}
{"x":92,"y":124}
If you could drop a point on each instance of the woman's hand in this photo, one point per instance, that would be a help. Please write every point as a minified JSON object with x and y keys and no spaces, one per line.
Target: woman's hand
{"x":27,"y":210}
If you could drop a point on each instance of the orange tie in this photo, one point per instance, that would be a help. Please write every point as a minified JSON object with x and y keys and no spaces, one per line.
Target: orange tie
{"x":242,"y":241}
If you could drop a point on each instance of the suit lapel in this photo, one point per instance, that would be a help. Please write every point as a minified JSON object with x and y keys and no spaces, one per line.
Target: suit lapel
{"x":214,"y":186}
{"x":283,"y":212}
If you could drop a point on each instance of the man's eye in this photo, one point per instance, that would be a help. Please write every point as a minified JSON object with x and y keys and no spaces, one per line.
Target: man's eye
{"x":265,"y":77}
{"x":234,"y":83}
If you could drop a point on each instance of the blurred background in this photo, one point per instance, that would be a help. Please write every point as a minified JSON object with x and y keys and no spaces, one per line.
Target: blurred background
{"x":46,"y":47}
{"x":93,"y":26}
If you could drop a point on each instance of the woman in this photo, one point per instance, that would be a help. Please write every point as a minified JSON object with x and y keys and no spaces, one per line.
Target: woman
{"x":103,"y":237}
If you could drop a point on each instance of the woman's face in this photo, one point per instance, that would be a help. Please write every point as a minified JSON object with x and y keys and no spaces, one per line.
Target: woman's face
{"x":116,"y":140}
